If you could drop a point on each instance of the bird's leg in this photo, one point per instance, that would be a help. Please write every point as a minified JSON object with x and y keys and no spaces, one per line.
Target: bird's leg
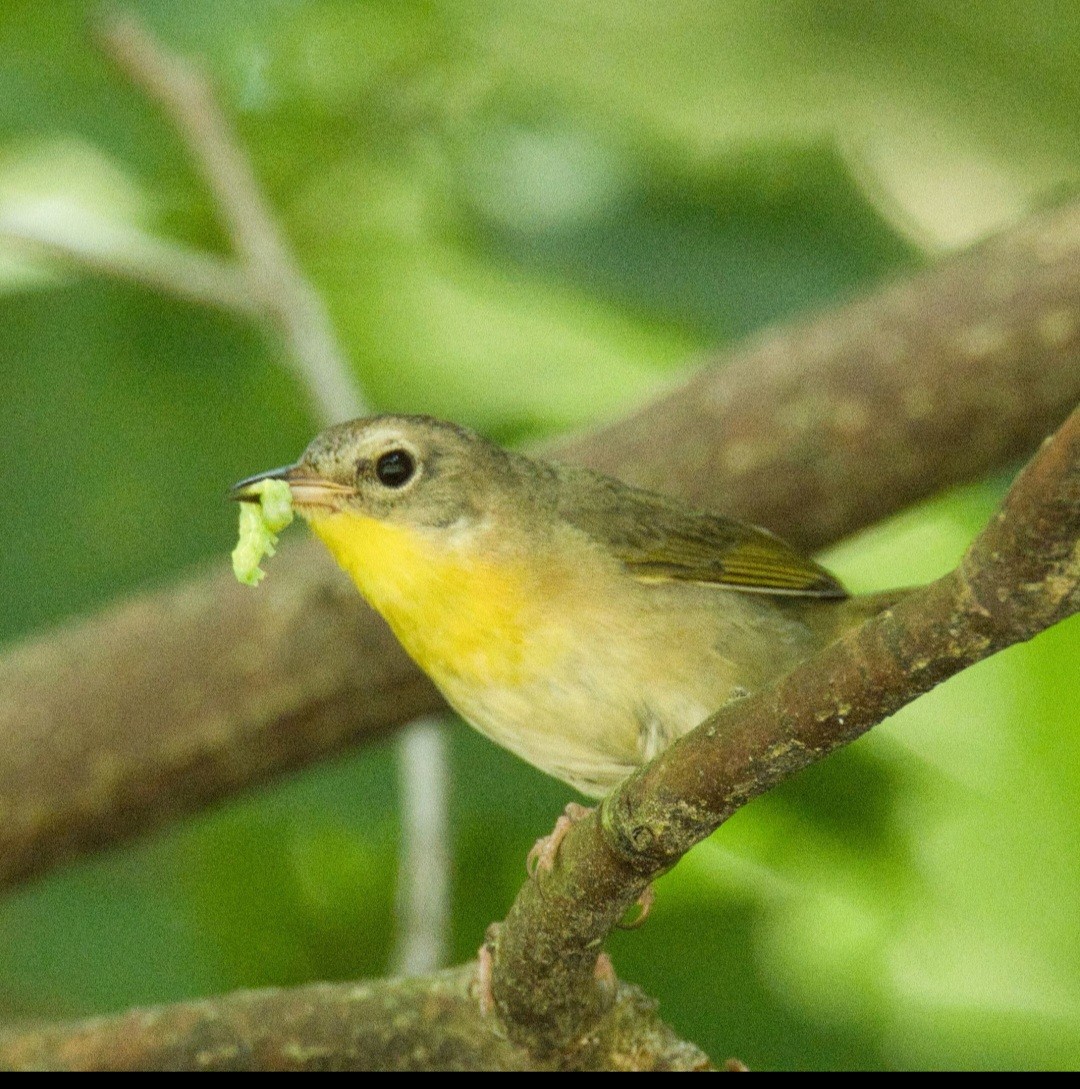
{"x":542,"y":855}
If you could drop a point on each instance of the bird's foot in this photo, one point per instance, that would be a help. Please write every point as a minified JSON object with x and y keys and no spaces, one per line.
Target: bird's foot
{"x":603,"y":973}
{"x":606,"y":980}
{"x":542,"y":855}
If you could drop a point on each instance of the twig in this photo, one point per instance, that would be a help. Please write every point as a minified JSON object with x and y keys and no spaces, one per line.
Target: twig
{"x":752,"y":437}
{"x":296,"y":311}
{"x":1019,"y":577}
{"x":422,"y":901}
{"x":186,"y":98}
{"x":430,"y":1023}
{"x":64,"y":232}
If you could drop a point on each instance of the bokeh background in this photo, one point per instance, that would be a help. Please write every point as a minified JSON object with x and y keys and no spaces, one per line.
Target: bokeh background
{"x":529,"y":215}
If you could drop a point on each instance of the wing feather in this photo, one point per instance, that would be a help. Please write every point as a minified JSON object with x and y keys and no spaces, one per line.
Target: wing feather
{"x":661,"y":540}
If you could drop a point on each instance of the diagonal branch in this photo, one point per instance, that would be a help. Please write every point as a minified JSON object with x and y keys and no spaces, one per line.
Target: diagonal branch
{"x":1019,"y":577}
{"x":823,"y":426}
{"x":246,"y":683}
{"x":770,"y":434}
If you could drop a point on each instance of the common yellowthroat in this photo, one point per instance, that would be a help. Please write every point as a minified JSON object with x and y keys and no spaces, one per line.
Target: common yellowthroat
{"x":581,"y":623}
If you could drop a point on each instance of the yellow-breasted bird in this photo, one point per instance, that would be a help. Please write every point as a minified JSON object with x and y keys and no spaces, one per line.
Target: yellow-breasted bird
{"x":581,"y":623}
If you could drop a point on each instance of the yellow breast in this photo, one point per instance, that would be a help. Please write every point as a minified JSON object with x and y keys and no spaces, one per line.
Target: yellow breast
{"x":461,"y":616}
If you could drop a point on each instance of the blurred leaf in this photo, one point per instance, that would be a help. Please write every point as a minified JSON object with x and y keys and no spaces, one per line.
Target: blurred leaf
{"x":763,"y":234}
{"x":53,"y":180}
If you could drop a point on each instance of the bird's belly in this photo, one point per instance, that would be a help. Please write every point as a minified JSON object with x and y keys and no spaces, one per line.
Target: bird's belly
{"x":589,"y":727}
{"x":591,"y":709}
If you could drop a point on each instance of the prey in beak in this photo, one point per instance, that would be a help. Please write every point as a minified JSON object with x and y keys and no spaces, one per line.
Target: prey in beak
{"x":308,"y":490}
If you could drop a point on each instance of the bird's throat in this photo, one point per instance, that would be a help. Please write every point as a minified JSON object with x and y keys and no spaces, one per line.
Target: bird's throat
{"x":460,"y":615}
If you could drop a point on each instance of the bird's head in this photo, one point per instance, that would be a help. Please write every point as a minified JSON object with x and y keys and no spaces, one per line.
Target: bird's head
{"x":433,"y":525}
{"x":412,"y":471}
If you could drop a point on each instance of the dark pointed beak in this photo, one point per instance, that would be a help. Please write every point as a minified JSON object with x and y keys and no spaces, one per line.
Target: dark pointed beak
{"x":308,"y":490}
{"x":244,"y":490}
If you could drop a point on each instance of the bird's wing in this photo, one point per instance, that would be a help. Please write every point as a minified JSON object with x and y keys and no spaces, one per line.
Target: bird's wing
{"x":660,"y":540}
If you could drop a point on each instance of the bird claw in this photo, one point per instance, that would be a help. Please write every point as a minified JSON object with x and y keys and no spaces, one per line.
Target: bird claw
{"x":603,"y":973}
{"x":644,"y":902}
{"x":542,"y":855}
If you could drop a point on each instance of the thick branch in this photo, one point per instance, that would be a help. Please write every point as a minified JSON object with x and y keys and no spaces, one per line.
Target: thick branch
{"x":1020,"y":576}
{"x":427,"y":1023}
{"x":990,"y":363}
{"x":822,"y":427}
{"x":159,"y":706}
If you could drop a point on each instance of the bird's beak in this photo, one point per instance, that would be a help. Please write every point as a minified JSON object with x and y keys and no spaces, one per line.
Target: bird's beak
{"x":307,"y":489}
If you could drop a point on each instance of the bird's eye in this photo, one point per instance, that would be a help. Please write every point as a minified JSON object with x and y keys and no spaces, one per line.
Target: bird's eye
{"x":395,"y":468}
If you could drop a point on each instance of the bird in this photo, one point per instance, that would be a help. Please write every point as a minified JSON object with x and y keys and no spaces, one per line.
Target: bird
{"x":580,"y":622}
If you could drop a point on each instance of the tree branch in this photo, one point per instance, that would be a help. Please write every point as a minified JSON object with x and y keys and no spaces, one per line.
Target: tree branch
{"x":772,"y":434}
{"x":823,"y":426}
{"x":1019,"y":577}
{"x":166,"y":703}
{"x":428,"y":1023}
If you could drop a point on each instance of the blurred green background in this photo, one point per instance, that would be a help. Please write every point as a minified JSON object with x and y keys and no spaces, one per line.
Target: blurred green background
{"x":529,"y":215}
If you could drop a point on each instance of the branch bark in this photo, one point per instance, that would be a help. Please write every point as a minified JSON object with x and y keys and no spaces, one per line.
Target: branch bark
{"x":166,"y":703}
{"x":1019,"y":577}
{"x":814,"y":431}
{"x":824,"y":426}
{"x":427,"y":1023}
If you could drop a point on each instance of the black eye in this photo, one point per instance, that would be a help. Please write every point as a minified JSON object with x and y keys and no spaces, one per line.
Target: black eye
{"x":395,"y":468}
